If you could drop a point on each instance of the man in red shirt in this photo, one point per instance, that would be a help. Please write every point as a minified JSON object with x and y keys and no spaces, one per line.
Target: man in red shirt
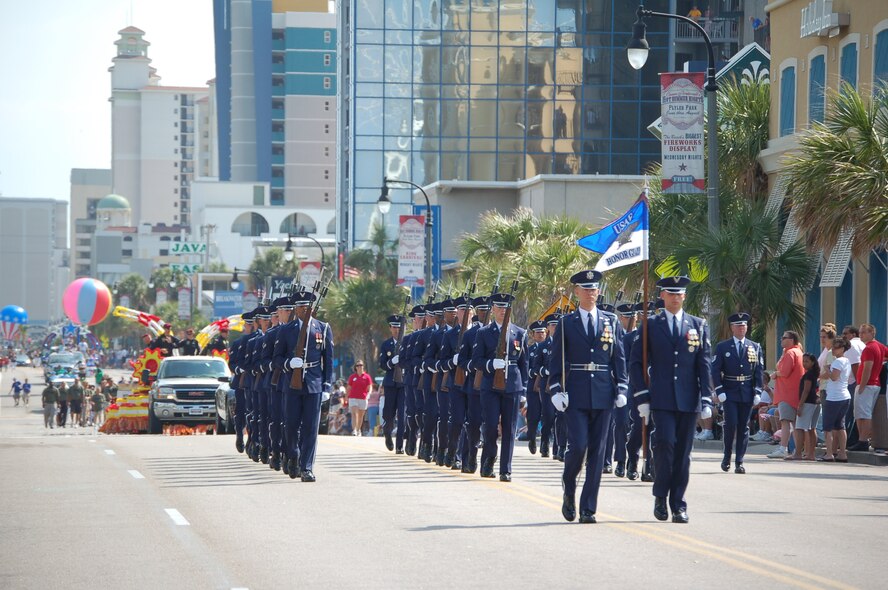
{"x":359,"y":384}
{"x":871,"y":358}
{"x":786,"y":390}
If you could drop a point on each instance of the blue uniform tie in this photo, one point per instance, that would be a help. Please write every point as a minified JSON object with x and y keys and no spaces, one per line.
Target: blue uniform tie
{"x":675,"y":327}
{"x":590,"y":329}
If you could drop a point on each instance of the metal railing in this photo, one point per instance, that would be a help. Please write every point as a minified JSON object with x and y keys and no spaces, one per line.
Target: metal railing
{"x":719,"y":29}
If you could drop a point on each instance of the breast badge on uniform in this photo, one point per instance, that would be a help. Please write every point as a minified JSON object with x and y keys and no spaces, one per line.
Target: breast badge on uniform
{"x":751,"y":355}
{"x":319,"y":340}
{"x":607,"y":335}
{"x":693,"y":339}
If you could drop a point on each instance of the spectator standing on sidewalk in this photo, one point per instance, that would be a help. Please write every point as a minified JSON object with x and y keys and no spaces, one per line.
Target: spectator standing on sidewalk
{"x":786,"y":389}
{"x":809,"y":411}
{"x":871,"y":358}
{"x":838,"y":398}
{"x":50,"y":398}
{"x":852,"y":336}
{"x":62,"y":415}
{"x":359,"y":384}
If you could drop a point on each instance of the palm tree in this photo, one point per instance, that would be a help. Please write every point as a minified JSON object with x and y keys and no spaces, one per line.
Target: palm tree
{"x":380,"y":258}
{"x":839,"y":177}
{"x":743,"y":111}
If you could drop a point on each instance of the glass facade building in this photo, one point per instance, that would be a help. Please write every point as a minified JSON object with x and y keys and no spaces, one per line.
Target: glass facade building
{"x":481,"y":90}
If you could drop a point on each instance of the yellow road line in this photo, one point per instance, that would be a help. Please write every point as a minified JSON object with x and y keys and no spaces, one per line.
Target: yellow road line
{"x":746,"y":561}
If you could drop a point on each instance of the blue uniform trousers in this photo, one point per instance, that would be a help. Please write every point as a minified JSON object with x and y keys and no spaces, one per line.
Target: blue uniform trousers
{"x":499,"y":407}
{"x":275,"y":418}
{"x":303,"y":416}
{"x":260,"y":411}
{"x":586,"y":437}
{"x":540,"y":408}
{"x":409,"y":413}
{"x":473,"y":426}
{"x":736,"y":426}
{"x":617,"y":436}
{"x":394,"y":405}
{"x":418,"y":406}
{"x":240,"y":412}
{"x":459,"y":406}
{"x":429,"y":417}
{"x":633,"y":447}
{"x":443,"y":429}
{"x":560,"y":432}
{"x":672,"y":442}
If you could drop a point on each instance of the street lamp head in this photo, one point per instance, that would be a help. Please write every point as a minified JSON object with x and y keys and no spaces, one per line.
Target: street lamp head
{"x":638,"y":48}
{"x":384,"y":204}
{"x":173,"y":284}
{"x":288,"y":251}
{"x":234,"y":283}
{"x":150,"y":284}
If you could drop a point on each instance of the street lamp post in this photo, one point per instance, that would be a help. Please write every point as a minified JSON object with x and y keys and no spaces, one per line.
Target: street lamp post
{"x":289,"y":254}
{"x":235,"y":280}
{"x":385,"y":204}
{"x":637,"y":52}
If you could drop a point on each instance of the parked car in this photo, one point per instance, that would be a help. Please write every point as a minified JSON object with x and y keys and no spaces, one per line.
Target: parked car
{"x":62,"y":363}
{"x":225,"y":409}
{"x":22,"y":360}
{"x":184,"y":390}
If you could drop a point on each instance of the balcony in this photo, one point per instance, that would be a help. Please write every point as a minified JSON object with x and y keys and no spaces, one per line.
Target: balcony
{"x":278,"y":136}
{"x":720,"y":30}
{"x":277,"y":113}
{"x":277,"y":158}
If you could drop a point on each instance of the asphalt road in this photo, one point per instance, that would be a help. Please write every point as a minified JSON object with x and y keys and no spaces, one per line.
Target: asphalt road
{"x":81,"y":510}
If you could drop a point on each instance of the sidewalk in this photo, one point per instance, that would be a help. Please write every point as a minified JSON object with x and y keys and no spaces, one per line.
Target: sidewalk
{"x":763,"y":448}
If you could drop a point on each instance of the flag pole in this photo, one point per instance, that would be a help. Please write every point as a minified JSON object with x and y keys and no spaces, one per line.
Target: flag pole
{"x":644,"y":332}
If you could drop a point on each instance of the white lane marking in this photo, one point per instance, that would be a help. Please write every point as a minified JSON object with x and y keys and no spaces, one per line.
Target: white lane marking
{"x":91,"y":440}
{"x":135,"y":474}
{"x":177,"y":517}
{"x":109,"y":452}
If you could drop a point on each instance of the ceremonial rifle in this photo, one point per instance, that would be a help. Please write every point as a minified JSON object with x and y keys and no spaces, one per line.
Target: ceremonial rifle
{"x":479,"y":375}
{"x":459,"y":378}
{"x":302,"y":340}
{"x":276,"y":374}
{"x":437,"y":374}
{"x":399,"y":372}
{"x":499,"y":375}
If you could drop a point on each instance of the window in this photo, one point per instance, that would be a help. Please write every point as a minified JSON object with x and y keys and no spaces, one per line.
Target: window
{"x":848,"y":65}
{"x":327,"y":59}
{"x":816,"y":83}
{"x":787,"y":101}
{"x":327,"y":83}
{"x":165,"y":252}
{"x":175,"y":150}
{"x":880,"y":58}
{"x":326,"y":129}
{"x":126,"y":253}
{"x":327,"y":36}
{"x":327,"y":102}
{"x":175,"y":177}
{"x":175,"y":123}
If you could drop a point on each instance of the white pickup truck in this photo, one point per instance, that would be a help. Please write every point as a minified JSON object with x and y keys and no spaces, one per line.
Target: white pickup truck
{"x":185,"y":391}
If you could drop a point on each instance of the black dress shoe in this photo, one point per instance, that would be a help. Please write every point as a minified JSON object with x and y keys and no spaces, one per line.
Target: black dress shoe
{"x":632,"y":471}
{"x":399,"y":451}
{"x":448,"y":460}
{"x":740,"y":468}
{"x":255,"y":455}
{"x":507,"y":477}
{"x":308,"y":476}
{"x":726,"y":466}
{"x":607,"y":469}
{"x":263,"y":455}
{"x":275,"y":462}
{"x":285,"y":464}
{"x":439,"y":459}
{"x":660,"y":510}
{"x":646,"y":473}
{"x":568,"y":508}
{"x":411,"y":447}
{"x":487,"y":469}
{"x":388,"y":442}
{"x":620,"y":470}
{"x":532,"y":445}
{"x":473,"y":464}
{"x":560,"y":456}
{"x":467,"y":468}
{"x":587,"y":517}
{"x":544,"y":449}
{"x":239,"y":445}
{"x":293,"y":468}
{"x":456,"y":465}
{"x":680,"y":516}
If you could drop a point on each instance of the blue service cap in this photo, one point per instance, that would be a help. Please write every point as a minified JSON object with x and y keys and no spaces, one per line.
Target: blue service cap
{"x":247,"y":317}
{"x":553,"y":318}
{"x":537,"y":326}
{"x":395,"y":321}
{"x":607,"y":307}
{"x":283,"y":303}
{"x":418,"y":311}
{"x":587,"y":279}
{"x":659,"y":304}
{"x":502,"y":299}
{"x":262,"y":313}
{"x":447,"y":305}
{"x":626,"y":309}
{"x":302,"y":298}
{"x":462,"y":302}
{"x":740,"y":318}
{"x":482,"y":302}
{"x":677,"y":284}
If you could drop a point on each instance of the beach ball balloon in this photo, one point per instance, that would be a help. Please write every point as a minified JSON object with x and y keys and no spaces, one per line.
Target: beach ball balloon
{"x":87,"y":301}
{"x":12,"y":318}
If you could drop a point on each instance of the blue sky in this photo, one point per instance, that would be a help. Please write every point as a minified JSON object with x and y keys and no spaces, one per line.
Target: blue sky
{"x":54,"y":110}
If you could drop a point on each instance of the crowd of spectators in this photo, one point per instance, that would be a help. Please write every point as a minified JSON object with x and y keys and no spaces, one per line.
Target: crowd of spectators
{"x":81,"y":404}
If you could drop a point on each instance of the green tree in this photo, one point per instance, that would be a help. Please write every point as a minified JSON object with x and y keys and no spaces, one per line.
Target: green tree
{"x":134,"y":287}
{"x":744,"y":109}
{"x":839,"y":176}
{"x":379,"y":256}
{"x":357,"y":310}
{"x":272,"y":263}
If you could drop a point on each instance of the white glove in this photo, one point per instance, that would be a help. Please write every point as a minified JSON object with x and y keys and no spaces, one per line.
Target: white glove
{"x":432,"y":369}
{"x":644,"y":410}
{"x":756,"y":400}
{"x":270,"y":367}
{"x":499,"y":364}
{"x":395,"y":359}
{"x":296,"y":362}
{"x":325,"y":395}
{"x":722,"y":397}
{"x":455,"y":359}
{"x":706,"y":412}
{"x":621,"y":400}
{"x":544,"y":372}
{"x":559,"y":400}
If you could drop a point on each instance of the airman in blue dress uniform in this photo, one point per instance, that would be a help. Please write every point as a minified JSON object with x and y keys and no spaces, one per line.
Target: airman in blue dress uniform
{"x":474,"y":416}
{"x":437,"y":380}
{"x":618,"y":437}
{"x":425,"y":351}
{"x":680,"y":388}
{"x":588,"y":379}
{"x":235,"y":363}
{"x":737,"y":375}
{"x":537,"y":398}
{"x":413,"y":412}
{"x":283,"y":310}
{"x":609,"y":442}
{"x":457,"y":400}
{"x":500,"y":406}
{"x":633,"y":446}
{"x":260,"y":400}
{"x":395,"y":402}
{"x":304,"y":405}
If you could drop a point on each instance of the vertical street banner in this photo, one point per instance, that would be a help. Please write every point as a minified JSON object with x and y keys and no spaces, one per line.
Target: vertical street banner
{"x":184,"y":303}
{"x":124,"y":301}
{"x":309,"y":273}
{"x":681,"y":99}
{"x":249,"y":301}
{"x":160,"y":296}
{"x":411,"y":250}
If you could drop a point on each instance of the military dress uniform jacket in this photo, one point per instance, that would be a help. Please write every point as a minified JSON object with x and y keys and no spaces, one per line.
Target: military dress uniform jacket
{"x":594,"y":366}
{"x":317,"y":373}
{"x":465,"y":356}
{"x":405,"y":350}
{"x":234,"y":361}
{"x":252,"y":357}
{"x":680,"y":369}
{"x":532,"y":364}
{"x":387,"y":351}
{"x":739,"y":377}
{"x":266,"y":354}
{"x":484,"y":351}
{"x":420,"y":341}
{"x":432,"y":356}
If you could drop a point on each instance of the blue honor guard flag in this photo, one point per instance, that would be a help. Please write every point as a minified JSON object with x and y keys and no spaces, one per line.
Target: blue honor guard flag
{"x":621,"y":242}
